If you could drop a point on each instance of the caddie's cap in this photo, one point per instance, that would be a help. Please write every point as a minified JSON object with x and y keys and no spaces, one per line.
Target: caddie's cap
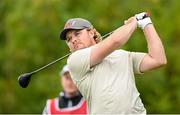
{"x":74,"y":23}
{"x":64,"y":70}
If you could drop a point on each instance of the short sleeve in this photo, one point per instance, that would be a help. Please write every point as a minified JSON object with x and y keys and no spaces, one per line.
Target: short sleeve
{"x":137,"y":58}
{"x":79,"y":63}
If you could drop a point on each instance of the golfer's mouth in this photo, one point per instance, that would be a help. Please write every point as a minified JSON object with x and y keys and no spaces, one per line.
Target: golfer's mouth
{"x":77,"y":46}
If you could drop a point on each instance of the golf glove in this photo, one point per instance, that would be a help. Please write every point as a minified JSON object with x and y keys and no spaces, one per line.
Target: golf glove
{"x":143,"y":20}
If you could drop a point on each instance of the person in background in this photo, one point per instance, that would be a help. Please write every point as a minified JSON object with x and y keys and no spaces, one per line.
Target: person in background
{"x":69,"y":101}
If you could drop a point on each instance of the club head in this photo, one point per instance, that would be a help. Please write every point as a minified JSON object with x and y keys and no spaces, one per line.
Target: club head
{"x":24,"y":79}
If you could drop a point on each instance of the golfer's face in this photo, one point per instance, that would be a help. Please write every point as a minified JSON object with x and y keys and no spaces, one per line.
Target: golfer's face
{"x":79,"y":39}
{"x":67,"y":83}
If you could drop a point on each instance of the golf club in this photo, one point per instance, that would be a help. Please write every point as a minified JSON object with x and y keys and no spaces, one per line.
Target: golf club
{"x":25,"y":78}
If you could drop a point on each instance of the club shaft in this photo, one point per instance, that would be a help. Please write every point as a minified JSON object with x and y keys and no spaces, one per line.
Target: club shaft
{"x":50,"y":63}
{"x":107,"y":34}
{"x":62,"y":57}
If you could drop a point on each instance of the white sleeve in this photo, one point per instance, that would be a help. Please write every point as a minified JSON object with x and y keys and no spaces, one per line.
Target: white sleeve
{"x":45,"y":111}
{"x":79,"y":64}
{"x":137,"y":58}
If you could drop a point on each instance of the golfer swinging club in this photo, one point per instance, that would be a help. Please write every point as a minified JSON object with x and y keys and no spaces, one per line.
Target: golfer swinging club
{"x":105,"y":75}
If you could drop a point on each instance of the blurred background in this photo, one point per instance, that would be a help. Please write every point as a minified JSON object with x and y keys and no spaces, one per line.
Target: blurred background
{"x":29,"y":39}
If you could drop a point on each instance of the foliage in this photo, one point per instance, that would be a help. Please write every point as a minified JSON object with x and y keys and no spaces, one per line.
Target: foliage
{"x":29,"y":38}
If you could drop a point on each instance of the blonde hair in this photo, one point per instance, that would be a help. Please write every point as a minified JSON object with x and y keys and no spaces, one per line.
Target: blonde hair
{"x":97,"y":36}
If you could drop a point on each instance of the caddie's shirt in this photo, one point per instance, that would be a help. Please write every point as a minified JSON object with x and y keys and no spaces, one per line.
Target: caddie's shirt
{"x":66,"y":105}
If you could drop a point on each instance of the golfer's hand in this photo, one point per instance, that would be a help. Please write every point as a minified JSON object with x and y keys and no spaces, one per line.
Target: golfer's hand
{"x":143,"y":20}
{"x":131,"y":20}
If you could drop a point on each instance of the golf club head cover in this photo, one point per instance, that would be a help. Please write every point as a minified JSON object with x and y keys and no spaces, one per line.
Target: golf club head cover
{"x":143,"y":20}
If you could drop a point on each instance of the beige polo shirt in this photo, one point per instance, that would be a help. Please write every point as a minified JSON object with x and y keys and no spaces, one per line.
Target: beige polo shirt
{"x":109,"y":87}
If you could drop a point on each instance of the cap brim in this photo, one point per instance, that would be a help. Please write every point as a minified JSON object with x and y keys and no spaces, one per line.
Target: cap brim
{"x":63,"y":33}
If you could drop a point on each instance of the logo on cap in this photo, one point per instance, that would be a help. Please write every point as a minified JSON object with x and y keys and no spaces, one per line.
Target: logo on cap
{"x":69,"y":24}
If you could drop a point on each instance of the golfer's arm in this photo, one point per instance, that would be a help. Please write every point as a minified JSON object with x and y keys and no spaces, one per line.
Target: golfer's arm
{"x":156,"y":55}
{"x":117,"y":39}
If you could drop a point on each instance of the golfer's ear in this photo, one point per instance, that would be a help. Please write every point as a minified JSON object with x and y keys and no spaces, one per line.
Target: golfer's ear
{"x":91,"y":32}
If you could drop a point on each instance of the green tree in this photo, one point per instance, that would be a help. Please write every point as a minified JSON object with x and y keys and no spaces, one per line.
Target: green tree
{"x":29,"y":39}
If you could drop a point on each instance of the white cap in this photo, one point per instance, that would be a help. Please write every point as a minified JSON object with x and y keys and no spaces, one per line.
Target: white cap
{"x":64,"y":70}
